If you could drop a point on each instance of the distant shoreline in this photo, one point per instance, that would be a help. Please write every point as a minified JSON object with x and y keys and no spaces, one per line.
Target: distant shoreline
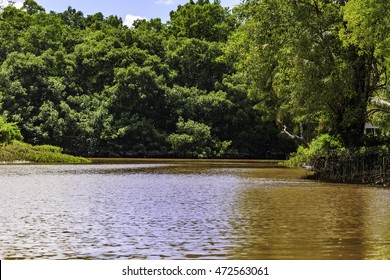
{"x":15,"y":162}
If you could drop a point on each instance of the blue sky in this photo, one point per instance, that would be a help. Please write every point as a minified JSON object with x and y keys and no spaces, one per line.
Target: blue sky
{"x":128,"y":10}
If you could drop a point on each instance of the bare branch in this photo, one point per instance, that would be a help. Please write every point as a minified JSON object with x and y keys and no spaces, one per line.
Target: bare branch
{"x":300,"y":139}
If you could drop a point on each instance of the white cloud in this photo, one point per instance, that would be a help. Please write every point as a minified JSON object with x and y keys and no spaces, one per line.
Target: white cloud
{"x":18,"y":5}
{"x":129,"y":20}
{"x":4,"y":3}
{"x":165,"y":2}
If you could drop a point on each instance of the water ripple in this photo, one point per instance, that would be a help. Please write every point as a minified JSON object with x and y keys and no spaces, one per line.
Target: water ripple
{"x":181,"y":211}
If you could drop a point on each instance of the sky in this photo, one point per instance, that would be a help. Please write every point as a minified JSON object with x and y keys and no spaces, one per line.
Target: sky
{"x":128,"y":10}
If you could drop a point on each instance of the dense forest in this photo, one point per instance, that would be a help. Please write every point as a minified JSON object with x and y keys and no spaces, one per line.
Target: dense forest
{"x":255,"y":81}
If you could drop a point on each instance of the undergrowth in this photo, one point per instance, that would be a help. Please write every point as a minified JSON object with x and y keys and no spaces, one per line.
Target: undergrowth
{"x":18,"y":151}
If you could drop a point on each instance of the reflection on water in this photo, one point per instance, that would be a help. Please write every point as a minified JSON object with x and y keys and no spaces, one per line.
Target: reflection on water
{"x":187,"y":210}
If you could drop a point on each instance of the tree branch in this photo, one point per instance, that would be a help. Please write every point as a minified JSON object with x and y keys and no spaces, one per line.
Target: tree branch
{"x":300,"y":139}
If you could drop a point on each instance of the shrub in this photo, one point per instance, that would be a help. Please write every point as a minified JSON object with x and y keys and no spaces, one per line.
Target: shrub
{"x":9,"y":131}
{"x":195,"y":139}
{"x":319,"y":147}
{"x":19,"y":151}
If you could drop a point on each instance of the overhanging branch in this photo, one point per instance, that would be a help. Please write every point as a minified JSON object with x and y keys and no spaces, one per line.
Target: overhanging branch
{"x":297,"y":138}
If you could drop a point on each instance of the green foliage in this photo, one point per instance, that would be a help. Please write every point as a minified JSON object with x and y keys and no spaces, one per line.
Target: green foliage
{"x":16,"y":151}
{"x":151,"y":36}
{"x":95,"y":87}
{"x":194,"y":139}
{"x":321,"y":146}
{"x":196,"y":62}
{"x":202,"y":20}
{"x":32,"y":7}
{"x":368,"y":27}
{"x":299,"y":69}
{"x":9,"y":131}
{"x":192,"y":103}
{"x":378,"y":150}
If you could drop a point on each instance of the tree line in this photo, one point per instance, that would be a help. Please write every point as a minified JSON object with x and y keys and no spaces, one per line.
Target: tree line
{"x":210,"y":82}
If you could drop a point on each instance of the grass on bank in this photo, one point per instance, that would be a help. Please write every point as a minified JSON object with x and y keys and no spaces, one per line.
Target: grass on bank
{"x":17,"y":151}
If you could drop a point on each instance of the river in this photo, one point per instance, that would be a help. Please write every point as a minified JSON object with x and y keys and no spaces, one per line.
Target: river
{"x":167,"y":209}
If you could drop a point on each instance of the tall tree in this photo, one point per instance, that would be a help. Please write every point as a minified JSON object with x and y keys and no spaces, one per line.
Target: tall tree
{"x":32,"y":7}
{"x":368,"y":29}
{"x":299,"y":69}
{"x":202,"y":20}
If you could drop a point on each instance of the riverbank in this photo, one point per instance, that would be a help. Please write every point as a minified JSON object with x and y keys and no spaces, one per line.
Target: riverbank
{"x":18,"y":152}
{"x":353,"y":167}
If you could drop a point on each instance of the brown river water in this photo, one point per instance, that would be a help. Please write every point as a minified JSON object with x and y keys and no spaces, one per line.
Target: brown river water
{"x":178,"y":209}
